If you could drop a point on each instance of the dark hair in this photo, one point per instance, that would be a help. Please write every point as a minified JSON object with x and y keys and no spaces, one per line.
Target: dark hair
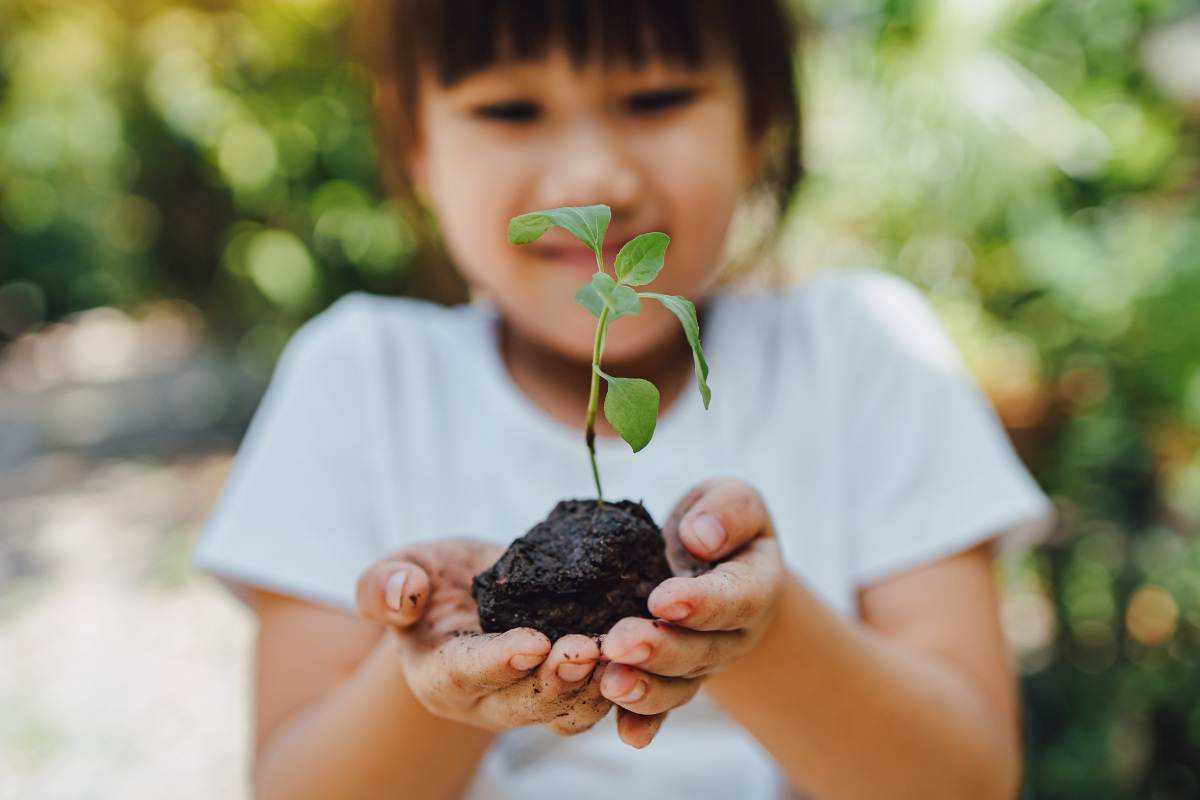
{"x":456,"y":38}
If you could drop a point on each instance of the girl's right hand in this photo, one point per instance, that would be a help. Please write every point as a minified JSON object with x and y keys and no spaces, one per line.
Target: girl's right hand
{"x":493,"y":681}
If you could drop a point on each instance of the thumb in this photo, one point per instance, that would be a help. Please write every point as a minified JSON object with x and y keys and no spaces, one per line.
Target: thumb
{"x":727,"y":515}
{"x":393,"y":591}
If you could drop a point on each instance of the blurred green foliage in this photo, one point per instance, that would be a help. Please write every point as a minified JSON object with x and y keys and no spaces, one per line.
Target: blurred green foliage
{"x":219,"y":154}
{"x":1032,"y":166}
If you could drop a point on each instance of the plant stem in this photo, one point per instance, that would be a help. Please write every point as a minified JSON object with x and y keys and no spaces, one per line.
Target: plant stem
{"x":597,"y":350}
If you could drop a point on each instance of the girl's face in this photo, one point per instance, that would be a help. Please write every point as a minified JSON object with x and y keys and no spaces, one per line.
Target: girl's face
{"x":664,"y":145}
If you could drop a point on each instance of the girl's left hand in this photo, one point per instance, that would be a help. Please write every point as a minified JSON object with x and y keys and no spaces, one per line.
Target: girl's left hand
{"x":704,"y":622}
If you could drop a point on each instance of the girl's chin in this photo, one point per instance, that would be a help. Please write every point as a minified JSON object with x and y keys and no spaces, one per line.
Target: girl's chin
{"x":578,"y":349}
{"x":630,"y":339}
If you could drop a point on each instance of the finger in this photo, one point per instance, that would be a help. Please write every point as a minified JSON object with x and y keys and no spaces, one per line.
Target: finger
{"x":582,"y":712}
{"x":581,"y":718}
{"x":665,"y":649}
{"x":727,"y":598}
{"x":727,"y":514}
{"x":479,"y":665}
{"x":636,"y":730}
{"x":643,"y":693}
{"x":571,"y":661}
{"x":393,"y":591}
{"x":681,"y":561}
{"x":567,"y":709}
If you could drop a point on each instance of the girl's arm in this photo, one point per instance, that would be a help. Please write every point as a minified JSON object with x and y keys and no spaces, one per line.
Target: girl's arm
{"x":334,"y":716}
{"x":916,"y":701}
{"x":402,"y":703}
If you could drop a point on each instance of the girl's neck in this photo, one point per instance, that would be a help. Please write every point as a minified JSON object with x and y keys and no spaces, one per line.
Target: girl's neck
{"x":560,"y":385}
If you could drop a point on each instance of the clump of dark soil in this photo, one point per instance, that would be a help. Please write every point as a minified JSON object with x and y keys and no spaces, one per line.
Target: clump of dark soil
{"x":579,"y":571}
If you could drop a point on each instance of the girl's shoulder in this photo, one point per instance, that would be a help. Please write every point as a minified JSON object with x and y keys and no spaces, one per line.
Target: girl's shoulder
{"x":360,"y":310}
{"x":855,"y":304}
{"x":854,"y":311}
{"x":830,"y":295}
{"x":362,"y":341}
{"x":368,"y":323}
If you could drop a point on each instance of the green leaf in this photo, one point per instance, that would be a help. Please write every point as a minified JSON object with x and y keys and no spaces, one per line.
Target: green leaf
{"x":621,"y":300}
{"x":604,"y":286}
{"x":587,"y":223}
{"x":640,"y":259}
{"x":589,"y":298}
{"x":527,"y":228}
{"x":604,"y":283}
{"x":631,"y":407}
{"x":627,"y":302}
{"x":683,"y":308}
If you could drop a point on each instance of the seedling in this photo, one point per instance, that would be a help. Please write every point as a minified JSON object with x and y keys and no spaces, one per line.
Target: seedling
{"x":631,"y":404}
{"x":598,"y":562}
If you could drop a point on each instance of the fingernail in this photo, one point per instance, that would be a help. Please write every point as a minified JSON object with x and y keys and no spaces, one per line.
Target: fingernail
{"x":636,"y":693}
{"x":637,"y":655}
{"x":524,"y":662}
{"x":709,"y":532}
{"x":573,"y":673}
{"x":675,"y":612}
{"x":393,"y":591}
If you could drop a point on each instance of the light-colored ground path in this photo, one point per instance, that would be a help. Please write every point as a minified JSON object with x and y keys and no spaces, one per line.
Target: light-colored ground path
{"x":124,"y":673}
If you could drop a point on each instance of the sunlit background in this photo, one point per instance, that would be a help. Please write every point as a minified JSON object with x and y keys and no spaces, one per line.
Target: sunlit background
{"x":182,"y":185}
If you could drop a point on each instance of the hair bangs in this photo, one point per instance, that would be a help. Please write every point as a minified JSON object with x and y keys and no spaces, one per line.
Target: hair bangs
{"x":466,"y":36}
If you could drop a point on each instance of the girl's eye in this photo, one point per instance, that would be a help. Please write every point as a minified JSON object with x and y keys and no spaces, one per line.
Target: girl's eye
{"x":510,"y":111}
{"x":661,"y":100}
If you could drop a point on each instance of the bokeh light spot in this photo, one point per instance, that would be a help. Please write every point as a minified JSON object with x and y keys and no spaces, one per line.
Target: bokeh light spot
{"x":94,"y":131}
{"x":1152,"y":615}
{"x":323,"y":14}
{"x":247,"y":155}
{"x":102,"y":346}
{"x":35,"y":143}
{"x":1029,"y":622}
{"x":282,"y":268}
{"x":1093,"y":606}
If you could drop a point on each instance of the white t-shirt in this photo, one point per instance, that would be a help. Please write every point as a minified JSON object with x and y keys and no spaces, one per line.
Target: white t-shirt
{"x":391,"y":421}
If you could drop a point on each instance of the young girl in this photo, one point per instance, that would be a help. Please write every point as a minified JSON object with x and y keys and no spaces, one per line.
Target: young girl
{"x":846,"y":645}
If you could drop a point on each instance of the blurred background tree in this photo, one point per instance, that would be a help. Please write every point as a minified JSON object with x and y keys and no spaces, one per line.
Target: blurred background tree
{"x":1032,"y":166}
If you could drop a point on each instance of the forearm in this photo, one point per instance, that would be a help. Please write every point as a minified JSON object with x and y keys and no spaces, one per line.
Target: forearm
{"x":828,"y":697}
{"x":369,"y":738}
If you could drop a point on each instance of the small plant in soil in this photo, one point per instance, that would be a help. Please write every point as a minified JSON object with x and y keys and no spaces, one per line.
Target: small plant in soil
{"x":591,"y":562}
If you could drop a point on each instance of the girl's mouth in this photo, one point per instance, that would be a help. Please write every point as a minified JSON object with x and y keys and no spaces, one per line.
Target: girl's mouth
{"x":581,"y":258}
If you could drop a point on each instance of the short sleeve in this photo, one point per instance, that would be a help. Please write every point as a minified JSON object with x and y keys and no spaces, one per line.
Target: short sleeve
{"x":931,"y":470}
{"x":296,"y":514}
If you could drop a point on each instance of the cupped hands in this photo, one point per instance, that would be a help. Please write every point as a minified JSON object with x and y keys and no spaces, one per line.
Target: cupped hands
{"x":729,"y":577}
{"x":491,"y":681}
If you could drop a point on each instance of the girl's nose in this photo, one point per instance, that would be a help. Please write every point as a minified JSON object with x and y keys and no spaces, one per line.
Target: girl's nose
{"x":592,"y":165}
